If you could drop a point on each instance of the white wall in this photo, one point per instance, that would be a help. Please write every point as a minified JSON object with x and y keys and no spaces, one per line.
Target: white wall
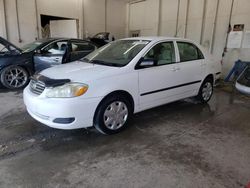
{"x":90,"y":14}
{"x":116,"y":17}
{"x":28,"y":19}
{"x":144,"y":16}
{"x":121,"y":17}
{"x":96,"y":16}
{"x":2,"y":20}
{"x":241,"y":14}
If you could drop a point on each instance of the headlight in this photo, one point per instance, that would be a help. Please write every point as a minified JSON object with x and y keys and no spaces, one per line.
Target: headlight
{"x":67,"y":91}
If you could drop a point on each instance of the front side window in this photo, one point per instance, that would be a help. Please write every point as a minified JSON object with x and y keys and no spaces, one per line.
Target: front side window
{"x":56,"y":48}
{"x":118,"y":53}
{"x":162,"y":54}
{"x":189,"y":52}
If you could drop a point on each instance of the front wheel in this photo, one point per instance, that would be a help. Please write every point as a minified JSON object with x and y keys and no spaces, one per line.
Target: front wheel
{"x":206,"y":91}
{"x":14,"y":77}
{"x":112,"y":115}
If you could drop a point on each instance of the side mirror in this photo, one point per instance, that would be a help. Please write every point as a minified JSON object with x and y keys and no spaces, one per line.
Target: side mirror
{"x":38,"y":51}
{"x":145,"y":63}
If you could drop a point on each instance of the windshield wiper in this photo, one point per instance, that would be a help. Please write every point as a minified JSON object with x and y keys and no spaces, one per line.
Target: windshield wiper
{"x":85,"y":60}
{"x":99,"y":62}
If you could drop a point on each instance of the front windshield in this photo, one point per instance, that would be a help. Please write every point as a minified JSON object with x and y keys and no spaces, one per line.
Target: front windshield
{"x":117,"y":53}
{"x":30,"y":47}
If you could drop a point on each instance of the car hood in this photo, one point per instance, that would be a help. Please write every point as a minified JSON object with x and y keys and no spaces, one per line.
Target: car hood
{"x":79,"y":71}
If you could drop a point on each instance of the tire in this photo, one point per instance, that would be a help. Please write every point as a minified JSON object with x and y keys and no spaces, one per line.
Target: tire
{"x":14,"y":77}
{"x":112,"y":115}
{"x":206,"y":91}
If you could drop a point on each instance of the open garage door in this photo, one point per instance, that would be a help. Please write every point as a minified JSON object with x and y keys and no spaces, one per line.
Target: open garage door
{"x":63,"y":28}
{"x":53,"y":26}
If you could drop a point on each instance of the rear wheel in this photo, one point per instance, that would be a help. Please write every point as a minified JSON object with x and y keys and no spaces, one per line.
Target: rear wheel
{"x":206,"y":91}
{"x":14,"y":77}
{"x":112,"y":115}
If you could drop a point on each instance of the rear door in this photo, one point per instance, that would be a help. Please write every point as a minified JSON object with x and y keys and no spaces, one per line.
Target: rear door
{"x":80,"y":49}
{"x":189,"y":68}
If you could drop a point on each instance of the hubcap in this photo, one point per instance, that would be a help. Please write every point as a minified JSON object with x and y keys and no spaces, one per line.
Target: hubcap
{"x":16,"y":77}
{"x":115,"y":115}
{"x":207,"y":91}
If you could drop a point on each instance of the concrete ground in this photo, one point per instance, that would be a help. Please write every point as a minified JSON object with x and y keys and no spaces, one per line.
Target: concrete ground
{"x":178,"y":145}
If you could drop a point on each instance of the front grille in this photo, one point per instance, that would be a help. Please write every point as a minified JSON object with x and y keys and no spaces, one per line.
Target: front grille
{"x":37,"y":87}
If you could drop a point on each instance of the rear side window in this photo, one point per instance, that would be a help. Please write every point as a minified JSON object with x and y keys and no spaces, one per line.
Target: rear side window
{"x":82,"y":46}
{"x":189,"y":52}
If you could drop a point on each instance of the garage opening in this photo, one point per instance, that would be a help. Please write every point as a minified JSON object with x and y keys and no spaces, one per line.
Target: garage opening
{"x":53,"y":26}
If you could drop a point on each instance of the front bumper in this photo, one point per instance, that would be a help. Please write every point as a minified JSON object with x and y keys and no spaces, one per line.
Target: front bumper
{"x":73,"y":113}
{"x":242,"y":88}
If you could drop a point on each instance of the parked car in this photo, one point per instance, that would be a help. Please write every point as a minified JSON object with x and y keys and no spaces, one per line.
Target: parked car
{"x":102,"y":38}
{"x":18,"y":64}
{"x":124,"y":77}
{"x":243,"y":82}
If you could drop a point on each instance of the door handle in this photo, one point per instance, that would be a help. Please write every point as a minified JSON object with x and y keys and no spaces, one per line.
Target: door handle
{"x":174,"y":69}
{"x":178,"y":68}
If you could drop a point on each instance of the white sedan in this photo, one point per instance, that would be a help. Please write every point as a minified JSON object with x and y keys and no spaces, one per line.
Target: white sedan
{"x":122,"y":78}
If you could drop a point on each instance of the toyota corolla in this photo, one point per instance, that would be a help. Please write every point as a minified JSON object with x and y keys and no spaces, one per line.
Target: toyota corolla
{"x":122,"y":78}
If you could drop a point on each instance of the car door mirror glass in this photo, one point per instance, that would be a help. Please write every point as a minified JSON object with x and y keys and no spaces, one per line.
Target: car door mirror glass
{"x":38,"y":51}
{"x":147,"y":63}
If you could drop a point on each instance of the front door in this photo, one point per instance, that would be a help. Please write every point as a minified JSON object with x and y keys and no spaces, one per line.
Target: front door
{"x":51,"y":55}
{"x":157,"y":82}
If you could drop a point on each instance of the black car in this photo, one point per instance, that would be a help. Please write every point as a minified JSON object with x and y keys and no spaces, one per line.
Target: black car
{"x":102,"y":38}
{"x":17,"y":64}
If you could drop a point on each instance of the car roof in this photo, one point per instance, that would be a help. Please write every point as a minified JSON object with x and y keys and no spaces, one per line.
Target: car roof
{"x":157,"y":38}
{"x":55,"y":39}
{"x":46,"y":41}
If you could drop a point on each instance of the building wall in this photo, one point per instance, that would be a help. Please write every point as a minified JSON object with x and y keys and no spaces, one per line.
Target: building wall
{"x":116,"y":17}
{"x":111,"y":19}
{"x":92,"y":17}
{"x":144,"y":17}
{"x":2,"y":20}
{"x":152,"y":19}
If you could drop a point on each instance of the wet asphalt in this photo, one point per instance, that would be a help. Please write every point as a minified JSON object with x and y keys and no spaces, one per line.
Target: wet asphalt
{"x":182,"y":144}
